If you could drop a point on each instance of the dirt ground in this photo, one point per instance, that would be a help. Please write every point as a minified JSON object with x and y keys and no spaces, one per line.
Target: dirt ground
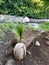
{"x":38,"y":56}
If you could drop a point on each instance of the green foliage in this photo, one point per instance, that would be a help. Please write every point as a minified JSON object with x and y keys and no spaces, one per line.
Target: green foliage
{"x":31,"y":8}
{"x":45,"y":26}
{"x":12,"y":27}
{"x":7,"y":26}
{"x":20,"y":30}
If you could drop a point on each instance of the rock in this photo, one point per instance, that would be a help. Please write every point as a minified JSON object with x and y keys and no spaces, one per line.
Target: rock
{"x":42,"y":31}
{"x":47,"y":37}
{"x":44,"y":34}
{"x":1,"y":42}
{"x":28,"y":37}
{"x":20,"y":51}
{"x":1,"y":63}
{"x":37,"y":43}
{"x":29,"y":52}
{"x":47,"y":42}
{"x":26,"y":19}
{"x":2,"y":18}
{"x":10,"y":62}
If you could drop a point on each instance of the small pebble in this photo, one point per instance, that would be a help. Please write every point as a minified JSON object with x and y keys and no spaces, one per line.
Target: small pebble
{"x":29,"y":52}
{"x":37,"y":43}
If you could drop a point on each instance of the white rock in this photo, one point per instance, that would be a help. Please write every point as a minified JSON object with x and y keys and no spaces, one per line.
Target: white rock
{"x":26,"y":19}
{"x":37,"y":43}
{"x":29,"y":52}
{"x":20,"y":51}
{"x":1,"y":17}
{"x":42,"y":31}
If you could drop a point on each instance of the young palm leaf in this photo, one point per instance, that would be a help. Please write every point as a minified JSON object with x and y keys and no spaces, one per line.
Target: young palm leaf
{"x":20,"y":30}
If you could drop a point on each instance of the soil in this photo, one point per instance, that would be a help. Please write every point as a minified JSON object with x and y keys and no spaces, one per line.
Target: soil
{"x":38,"y":56}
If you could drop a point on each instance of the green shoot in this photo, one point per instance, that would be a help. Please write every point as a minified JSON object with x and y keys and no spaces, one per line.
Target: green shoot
{"x":20,"y":30}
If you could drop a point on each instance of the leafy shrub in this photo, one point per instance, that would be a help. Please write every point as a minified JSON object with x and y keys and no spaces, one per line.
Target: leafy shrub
{"x":31,"y":8}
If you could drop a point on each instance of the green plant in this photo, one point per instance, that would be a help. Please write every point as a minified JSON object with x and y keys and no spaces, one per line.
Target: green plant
{"x":20,"y":30}
{"x":45,"y":26}
{"x":32,"y":8}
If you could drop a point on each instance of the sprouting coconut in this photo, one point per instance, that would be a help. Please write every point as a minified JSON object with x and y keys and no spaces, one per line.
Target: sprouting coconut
{"x":20,"y":48}
{"x":20,"y":51}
